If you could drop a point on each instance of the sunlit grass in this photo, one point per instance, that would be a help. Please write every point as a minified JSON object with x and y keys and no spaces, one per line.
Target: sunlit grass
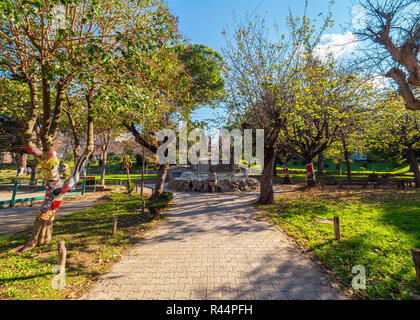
{"x":379,"y":229}
{"x":90,"y":250}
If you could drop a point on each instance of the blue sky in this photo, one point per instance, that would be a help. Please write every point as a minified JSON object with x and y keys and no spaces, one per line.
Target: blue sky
{"x":202,"y":21}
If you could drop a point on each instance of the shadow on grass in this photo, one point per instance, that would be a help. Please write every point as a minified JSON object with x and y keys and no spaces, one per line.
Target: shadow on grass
{"x":5,"y":280}
{"x":378,"y":228}
{"x":90,"y":246}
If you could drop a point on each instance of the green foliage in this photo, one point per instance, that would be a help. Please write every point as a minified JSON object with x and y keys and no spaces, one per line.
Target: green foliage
{"x":156,"y":206}
{"x":139,"y":160}
{"x":90,"y":250}
{"x":166,"y":196}
{"x":362,"y":169}
{"x":67,"y":156}
{"x":126,"y":162}
{"x":392,"y":129}
{"x":205,"y":66}
{"x":378,"y":232}
{"x":65,"y":169}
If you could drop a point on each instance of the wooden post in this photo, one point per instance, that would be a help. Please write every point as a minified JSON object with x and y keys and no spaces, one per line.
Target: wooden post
{"x":62,"y":256}
{"x":337,"y":228}
{"x":114,"y":225}
{"x":416,"y":258}
{"x":142,"y":177}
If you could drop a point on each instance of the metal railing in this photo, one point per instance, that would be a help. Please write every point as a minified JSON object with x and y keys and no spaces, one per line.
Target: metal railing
{"x":19,"y":186}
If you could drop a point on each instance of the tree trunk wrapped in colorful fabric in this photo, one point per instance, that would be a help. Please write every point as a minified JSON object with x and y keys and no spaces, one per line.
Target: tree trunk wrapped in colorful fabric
{"x":310,"y":174}
{"x":286,"y":174}
{"x":55,"y":189}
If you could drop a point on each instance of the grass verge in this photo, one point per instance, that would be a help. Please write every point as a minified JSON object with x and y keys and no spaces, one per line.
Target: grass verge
{"x":378,"y":228}
{"x":90,"y":250}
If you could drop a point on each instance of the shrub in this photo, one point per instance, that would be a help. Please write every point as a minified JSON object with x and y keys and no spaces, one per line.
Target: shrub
{"x":155,"y":206}
{"x":167,"y":196}
{"x":362,"y":169}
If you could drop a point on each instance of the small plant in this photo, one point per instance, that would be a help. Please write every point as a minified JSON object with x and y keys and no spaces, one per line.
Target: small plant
{"x":362,"y":169}
{"x":167,"y":196}
{"x":127,"y":164}
{"x":155,"y":207}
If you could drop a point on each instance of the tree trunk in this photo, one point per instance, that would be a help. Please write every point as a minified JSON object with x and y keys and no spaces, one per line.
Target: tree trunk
{"x":286,"y":174}
{"x":373,"y":167}
{"x":103,"y":167}
{"x":347,"y":159}
{"x":42,"y":230}
{"x":41,"y":234}
{"x":321,"y":163}
{"x":310,"y":173}
{"x":411,"y":156}
{"x":128,"y":180}
{"x":266,"y":190}
{"x":341,"y":168}
{"x":76,"y":152}
{"x":160,"y":181}
{"x":33,"y":172}
{"x":21,"y":164}
{"x":142,"y":175}
{"x":274,"y":169}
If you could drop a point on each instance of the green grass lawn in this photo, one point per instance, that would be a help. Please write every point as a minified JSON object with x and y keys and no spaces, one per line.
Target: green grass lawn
{"x":380,"y":167}
{"x":379,"y":229}
{"x":301,"y":177}
{"x":90,"y":250}
{"x":124,"y":176}
{"x":9,"y":174}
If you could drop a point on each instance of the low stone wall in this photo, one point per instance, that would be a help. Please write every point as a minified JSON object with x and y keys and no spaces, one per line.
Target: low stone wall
{"x":221,"y":185}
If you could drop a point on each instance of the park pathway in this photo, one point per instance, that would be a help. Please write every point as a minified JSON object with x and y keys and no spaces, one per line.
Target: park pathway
{"x":18,"y":218}
{"x":211,"y":247}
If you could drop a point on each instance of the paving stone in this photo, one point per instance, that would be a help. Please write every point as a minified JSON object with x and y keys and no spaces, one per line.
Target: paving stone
{"x":214,"y":249}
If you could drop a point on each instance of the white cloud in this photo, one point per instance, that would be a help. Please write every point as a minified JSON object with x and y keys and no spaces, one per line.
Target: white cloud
{"x":336,"y":44}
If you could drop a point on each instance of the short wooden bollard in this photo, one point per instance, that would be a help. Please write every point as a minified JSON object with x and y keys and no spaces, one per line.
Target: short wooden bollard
{"x":62,"y":256}
{"x":114,"y":225}
{"x":416,"y":258}
{"x":337,"y":228}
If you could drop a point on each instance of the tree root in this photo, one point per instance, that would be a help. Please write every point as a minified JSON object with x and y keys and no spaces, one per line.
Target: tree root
{"x":41,"y":235}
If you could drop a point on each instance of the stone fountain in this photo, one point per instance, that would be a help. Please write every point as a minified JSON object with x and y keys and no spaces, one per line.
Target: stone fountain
{"x":213,"y":182}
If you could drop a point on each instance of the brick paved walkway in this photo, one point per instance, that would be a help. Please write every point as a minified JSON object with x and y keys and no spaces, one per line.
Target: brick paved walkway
{"x":212,"y":248}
